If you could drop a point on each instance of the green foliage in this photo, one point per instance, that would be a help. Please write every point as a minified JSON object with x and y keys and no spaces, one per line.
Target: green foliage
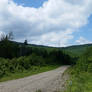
{"x":39,"y":90}
{"x":32,"y":61}
{"x":85,"y":61}
{"x":90,"y":68}
{"x":77,"y":50}
{"x":33,"y":70}
{"x":81,"y":74}
{"x":81,"y":82}
{"x":8,"y":49}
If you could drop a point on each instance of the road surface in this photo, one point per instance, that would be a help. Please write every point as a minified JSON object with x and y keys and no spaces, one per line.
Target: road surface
{"x":46,"y":82}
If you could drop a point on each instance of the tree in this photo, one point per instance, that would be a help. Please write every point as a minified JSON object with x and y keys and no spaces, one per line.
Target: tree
{"x":8,"y":49}
{"x":2,"y":37}
{"x":8,"y":36}
{"x":25,"y":42}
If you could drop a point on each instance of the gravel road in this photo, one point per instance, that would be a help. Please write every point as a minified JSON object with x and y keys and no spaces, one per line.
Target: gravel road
{"x":46,"y":82}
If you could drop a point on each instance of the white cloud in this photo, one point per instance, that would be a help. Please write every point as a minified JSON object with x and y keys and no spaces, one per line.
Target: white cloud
{"x":50,"y":24}
{"x":54,"y":39}
{"x":83,"y":40}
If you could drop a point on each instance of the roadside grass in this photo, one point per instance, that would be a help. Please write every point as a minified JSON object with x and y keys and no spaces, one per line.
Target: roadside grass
{"x":34,"y":70}
{"x":81,"y":82}
{"x":39,"y":90}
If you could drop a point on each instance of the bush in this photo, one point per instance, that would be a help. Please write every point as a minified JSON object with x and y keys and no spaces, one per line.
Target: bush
{"x":37,"y":60}
{"x":85,"y":61}
{"x":4,"y":66}
{"x":90,"y":67}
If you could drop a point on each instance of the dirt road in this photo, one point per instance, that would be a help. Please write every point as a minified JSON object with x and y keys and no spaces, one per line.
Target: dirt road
{"x":47,"y":82}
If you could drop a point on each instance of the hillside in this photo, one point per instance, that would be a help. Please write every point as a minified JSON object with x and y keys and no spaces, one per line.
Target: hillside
{"x":75,"y":50}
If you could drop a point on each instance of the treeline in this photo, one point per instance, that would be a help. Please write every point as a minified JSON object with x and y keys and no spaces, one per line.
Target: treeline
{"x":17,"y":57}
{"x":10,"y":50}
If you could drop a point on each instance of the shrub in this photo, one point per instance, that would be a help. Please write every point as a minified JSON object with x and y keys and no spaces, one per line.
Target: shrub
{"x":90,"y":67}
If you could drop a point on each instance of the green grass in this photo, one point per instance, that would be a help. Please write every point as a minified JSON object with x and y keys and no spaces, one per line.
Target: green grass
{"x":34,"y":70}
{"x":81,"y":82}
{"x":39,"y":90}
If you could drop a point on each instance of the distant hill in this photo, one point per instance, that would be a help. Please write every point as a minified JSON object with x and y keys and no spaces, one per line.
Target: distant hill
{"x":75,"y":50}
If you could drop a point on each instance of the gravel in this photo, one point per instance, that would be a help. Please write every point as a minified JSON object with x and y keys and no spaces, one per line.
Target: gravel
{"x":50,"y":81}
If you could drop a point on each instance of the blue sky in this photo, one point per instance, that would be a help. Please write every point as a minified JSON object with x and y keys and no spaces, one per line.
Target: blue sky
{"x":48,"y":22}
{"x":85,"y":31}
{"x":87,"y":28}
{"x":30,"y":3}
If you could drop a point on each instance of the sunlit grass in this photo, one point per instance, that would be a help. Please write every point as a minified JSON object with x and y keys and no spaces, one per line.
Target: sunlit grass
{"x":81,"y":82}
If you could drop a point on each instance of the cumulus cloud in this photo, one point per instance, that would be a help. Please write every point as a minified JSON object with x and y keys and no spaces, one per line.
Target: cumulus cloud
{"x":54,"y":39}
{"x":83,"y":40}
{"x":51,"y":24}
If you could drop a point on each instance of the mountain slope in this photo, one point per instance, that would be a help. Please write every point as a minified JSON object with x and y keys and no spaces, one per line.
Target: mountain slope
{"x":77,"y":50}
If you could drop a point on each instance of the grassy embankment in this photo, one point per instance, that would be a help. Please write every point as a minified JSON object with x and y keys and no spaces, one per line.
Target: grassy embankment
{"x":81,"y":74}
{"x":79,"y":82}
{"x":33,"y":71}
